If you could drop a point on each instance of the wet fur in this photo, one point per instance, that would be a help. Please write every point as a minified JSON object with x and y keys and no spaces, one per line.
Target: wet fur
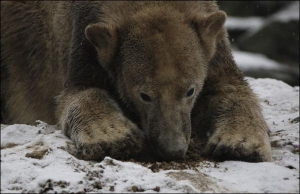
{"x":48,"y":66}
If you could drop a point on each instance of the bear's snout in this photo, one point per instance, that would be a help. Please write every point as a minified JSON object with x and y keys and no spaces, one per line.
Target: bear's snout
{"x":169,"y":134}
{"x":172,"y":148}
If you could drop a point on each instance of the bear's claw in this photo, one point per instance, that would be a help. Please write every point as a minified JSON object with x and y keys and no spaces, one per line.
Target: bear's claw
{"x":125,"y":148}
{"x":222,"y":153}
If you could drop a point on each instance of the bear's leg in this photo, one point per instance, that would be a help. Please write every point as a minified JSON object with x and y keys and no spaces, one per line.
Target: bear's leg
{"x":227,"y":114}
{"x":234,"y":126}
{"x":97,"y":126}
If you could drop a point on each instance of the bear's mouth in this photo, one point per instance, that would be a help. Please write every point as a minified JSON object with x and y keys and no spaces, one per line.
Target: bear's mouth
{"x":166,"y":144}
{"x":176,"y":155}
{"x":161,"y":155}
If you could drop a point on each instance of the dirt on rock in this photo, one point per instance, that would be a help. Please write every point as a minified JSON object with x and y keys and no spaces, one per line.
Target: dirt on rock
{"x":193,"y":160}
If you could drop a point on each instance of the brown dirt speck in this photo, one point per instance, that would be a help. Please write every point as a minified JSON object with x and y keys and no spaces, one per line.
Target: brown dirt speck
{"x":295,"y":120}
{"x":275,"y":144}
{"x":97,"y":185}
{"x":154,"y":167}
{"x":37,"y":154}
{"x":112,"y":188}
{"x":157,"y":189}
{"x":136,"y":189}
{"x":9,"y":145}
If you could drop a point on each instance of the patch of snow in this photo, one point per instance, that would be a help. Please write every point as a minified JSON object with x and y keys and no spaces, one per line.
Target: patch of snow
{"x":58,"y":171}
{"x":288,"y":13}
{"x":19,"y":134}
{"x":291,"y":12}
{"x":124,"y":175}
{"x":255,"y":178}
{"x":240,"y":23}
{"x":247,"y":60}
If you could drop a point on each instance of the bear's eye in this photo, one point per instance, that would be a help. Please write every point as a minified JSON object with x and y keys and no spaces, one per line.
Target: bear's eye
{"x":190,"y":92}
{"x":145,"y":97}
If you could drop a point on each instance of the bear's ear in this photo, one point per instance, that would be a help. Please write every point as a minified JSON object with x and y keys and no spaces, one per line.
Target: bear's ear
{"x":104,"y":38}
{"x":208,"y":28}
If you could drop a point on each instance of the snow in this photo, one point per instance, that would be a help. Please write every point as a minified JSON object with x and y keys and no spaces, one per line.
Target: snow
{"x":253,"y":24}
{"x":291,"y":12}
{"x":241,"y":23}
{"x":58,"y":171}
{"x":286,"y":14}
{"x":246,"y":61}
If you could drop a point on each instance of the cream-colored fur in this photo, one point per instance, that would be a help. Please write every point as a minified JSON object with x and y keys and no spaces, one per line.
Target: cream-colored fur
{"x":94,"y":122}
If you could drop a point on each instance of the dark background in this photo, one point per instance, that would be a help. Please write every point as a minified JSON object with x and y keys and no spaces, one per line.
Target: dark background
{"x":276,"y":39}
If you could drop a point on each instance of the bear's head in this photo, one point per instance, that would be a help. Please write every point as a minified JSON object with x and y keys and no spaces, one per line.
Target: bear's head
{"x":159,"y":60}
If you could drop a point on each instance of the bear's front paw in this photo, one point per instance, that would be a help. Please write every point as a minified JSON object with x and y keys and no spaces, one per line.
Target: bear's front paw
{"x":243,"y":146}
{"x":120,"y":140}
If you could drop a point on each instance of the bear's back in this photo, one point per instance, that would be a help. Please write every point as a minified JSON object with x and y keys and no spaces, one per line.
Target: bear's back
{"x":33,"y":59}
{"x":37,"y":39}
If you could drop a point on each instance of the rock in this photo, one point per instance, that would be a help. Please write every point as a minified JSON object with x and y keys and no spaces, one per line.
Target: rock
{"x":237,"y":26}
{"x":277,"y":38}
{"x":259,"y":66}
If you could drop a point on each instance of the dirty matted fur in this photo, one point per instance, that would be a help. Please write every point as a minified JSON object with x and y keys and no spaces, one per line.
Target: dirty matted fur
{"x":121,"y":76}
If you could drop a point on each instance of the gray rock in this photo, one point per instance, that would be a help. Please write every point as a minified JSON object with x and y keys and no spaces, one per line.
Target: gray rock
{"x":277,"y":40}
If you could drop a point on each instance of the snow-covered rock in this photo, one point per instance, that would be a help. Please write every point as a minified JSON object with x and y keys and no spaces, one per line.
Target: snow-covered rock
{"x":257,"y":65}
{"x":277,"y":36}
{"x":239,"y":23}
{"x":34,"y":159}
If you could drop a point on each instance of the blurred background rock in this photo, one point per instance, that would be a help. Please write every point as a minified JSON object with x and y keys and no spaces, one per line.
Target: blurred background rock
{"x":265,"y":38}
